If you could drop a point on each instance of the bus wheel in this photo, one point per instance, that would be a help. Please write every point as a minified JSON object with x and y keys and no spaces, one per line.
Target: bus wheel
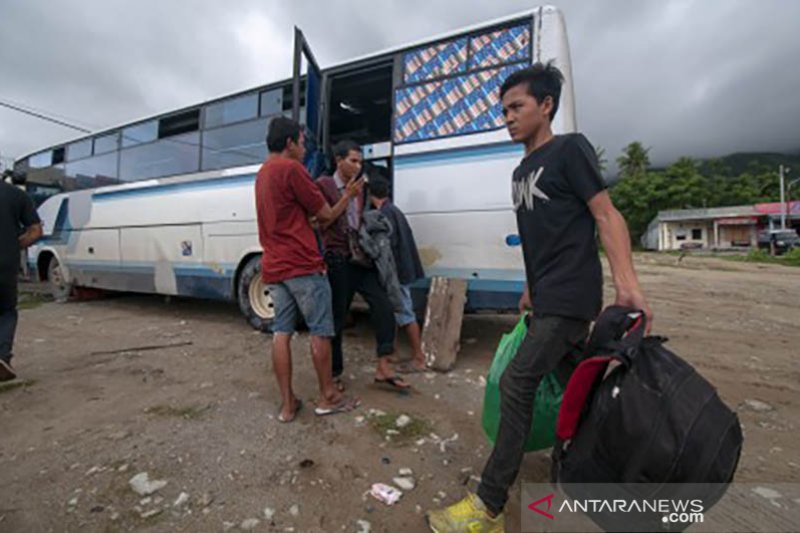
{"x":254,"y":298}
{"x":59,"y":287}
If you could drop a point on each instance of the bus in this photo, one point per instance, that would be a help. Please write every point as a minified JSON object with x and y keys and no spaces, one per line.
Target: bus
{"x":165,"y":205}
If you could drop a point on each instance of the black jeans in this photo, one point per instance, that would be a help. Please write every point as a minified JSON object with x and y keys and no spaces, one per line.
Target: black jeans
{"x":337,"y":277}
{"x":8,"y":314}
{"x":346,"y":280}
{"x":551,"y":344}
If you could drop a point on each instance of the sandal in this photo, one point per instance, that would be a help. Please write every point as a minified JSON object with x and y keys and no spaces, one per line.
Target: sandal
{"x":396,"y":382}
{"x":345,"y":405}
{"x":409,"y":368}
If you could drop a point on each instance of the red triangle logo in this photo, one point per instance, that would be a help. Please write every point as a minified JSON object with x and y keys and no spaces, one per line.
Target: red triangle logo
{"x":549,"y":499}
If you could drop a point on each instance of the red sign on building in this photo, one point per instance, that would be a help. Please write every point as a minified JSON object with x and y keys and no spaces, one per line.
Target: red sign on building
{"x":737,"y":221}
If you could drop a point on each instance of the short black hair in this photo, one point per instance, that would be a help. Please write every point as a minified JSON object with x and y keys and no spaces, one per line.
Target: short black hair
{"x":16,"y":177}
{"x":280,"y":130}
{"x":379,"y":187}
{"x":542,"y":80}
{"x":343,"y":148}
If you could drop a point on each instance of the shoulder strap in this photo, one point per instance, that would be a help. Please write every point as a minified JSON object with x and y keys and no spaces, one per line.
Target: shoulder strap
{"x":618,"y":330}
{"x":617,"y":334}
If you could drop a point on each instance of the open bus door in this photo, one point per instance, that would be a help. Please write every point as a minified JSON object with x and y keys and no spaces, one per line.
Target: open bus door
{"x":315,"y":159}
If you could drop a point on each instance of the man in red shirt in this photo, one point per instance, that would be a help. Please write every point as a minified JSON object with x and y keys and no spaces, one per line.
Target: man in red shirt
{"x":292,"y":266}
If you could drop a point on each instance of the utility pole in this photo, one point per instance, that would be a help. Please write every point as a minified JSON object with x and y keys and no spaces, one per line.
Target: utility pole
{"x":789,"y":198}
{"x":783,"y":198}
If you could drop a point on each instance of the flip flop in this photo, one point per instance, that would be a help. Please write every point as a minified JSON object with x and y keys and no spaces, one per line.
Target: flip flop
{"x":345,"y":405}
{"x":409,"y":368}
{"x":299,"y":405}
{"x":395,"y":382}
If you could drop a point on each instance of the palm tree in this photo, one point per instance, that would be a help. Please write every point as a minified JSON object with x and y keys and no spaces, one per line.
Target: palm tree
{"x":635,"y":160}
{"x":602,"y":160}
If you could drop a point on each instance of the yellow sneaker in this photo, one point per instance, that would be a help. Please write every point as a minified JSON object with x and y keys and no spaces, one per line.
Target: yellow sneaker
{"x":467,"y":516}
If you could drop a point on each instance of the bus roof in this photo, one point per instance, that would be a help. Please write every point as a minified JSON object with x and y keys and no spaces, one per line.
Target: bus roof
{"x":545,"y":9}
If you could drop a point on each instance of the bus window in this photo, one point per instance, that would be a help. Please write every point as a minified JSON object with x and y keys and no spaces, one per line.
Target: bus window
{"x":140,"y":133}
{"x":500,"y":47}
{"x":272,"y":102}
{"x":235,"y":145}
{"x":435,"y":61}
{"x":232,"y":110}
{"x":58,"y":155}
{"x":93,"y":171}
{"x":435,"y":103}
{"x":41,"y":160}
{"x":180,"y":123}
{"x":79,"y":150}
{"x":106,"y":143}
{"x":176,"y":155}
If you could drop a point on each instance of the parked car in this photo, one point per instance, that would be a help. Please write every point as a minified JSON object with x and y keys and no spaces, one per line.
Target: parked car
{"x":783,"y":239}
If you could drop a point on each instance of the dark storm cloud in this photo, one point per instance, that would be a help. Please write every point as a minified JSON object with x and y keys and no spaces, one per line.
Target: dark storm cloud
{"x":697,"y":78}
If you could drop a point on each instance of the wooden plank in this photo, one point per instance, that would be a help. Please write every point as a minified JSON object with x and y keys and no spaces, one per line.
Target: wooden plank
{"x":442,"y":329}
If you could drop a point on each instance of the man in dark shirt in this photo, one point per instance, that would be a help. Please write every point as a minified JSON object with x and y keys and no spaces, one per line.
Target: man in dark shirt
{"x":292,"y":266}
{"x":409,"y":269}
{"x":19,"y":228}
{"x":347,"y":277}
{"x":561,"y":201}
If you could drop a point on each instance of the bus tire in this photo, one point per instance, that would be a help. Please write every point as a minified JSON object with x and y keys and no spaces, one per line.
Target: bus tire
{"x":253,"y":296}
{"x":60,"y":289}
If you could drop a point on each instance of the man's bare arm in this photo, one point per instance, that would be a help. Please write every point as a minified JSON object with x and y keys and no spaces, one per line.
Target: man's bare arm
{"x":32,"y":234}
{"x":617,"y":243}
{"x":328,"y":215}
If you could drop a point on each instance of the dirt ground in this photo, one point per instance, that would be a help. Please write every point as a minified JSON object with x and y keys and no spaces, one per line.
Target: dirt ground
{"x":200,"y":415}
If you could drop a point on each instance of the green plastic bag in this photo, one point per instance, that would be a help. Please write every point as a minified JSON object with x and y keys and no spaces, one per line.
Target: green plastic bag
{"x":545,"y":407}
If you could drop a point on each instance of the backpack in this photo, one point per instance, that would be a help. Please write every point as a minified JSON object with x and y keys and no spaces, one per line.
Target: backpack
{"x":651,"y":419}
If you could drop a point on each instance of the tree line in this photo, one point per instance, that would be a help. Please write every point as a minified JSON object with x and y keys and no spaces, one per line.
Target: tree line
{"x":641,"y":191}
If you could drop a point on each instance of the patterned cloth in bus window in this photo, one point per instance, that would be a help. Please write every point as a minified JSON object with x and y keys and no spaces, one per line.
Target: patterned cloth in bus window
{"x":466,"y":104}
{"x":499,"y":47}
{"x":435,"y":61}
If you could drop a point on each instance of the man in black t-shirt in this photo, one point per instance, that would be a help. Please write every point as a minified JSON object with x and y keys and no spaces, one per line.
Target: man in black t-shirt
{"x":561,"y":202}
{"x":19,"y":228}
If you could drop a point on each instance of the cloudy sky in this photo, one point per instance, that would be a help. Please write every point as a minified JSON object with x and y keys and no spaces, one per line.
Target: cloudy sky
{"x":699,"y":78}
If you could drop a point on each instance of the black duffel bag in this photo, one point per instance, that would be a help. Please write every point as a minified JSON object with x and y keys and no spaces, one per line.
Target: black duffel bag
{"x":641,"y":421}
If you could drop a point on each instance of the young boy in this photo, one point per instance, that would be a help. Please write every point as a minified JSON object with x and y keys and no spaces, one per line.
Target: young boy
{"x":409,"y":269}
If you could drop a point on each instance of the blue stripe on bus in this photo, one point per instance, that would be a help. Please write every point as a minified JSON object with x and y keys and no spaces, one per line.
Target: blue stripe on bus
{"x":108,"y":266}
{"x":496,"y":151}
{"x":496,"y":280}
{"x":193,"y":280}
{"x":481,"y":295}
{"x":501,"y":292}
{"x":479,"y":274}
{"x":188,"y":269}
{"x":61,"y":227}
{"x":481,"y":285}
{"x":160,"y":188}
{"x":203,"y":285}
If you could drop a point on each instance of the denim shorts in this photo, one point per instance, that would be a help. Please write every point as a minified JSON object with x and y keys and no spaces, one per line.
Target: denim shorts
{"x":307,"y":296}
{"x":406,"y":316}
